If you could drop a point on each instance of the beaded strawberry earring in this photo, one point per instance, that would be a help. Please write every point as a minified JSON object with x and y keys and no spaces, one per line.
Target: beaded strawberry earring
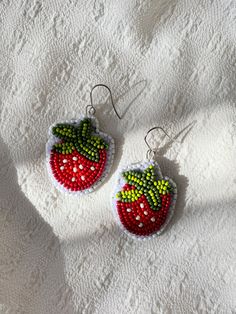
{"x":143,"y":201}
{"x":78,"y":155}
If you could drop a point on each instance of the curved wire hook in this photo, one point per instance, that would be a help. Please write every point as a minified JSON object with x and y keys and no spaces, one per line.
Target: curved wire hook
{"x":151,"y":152}
{"x":91,"y":109}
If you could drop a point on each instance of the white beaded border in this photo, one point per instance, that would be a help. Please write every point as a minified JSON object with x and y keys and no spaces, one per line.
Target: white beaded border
{"x":110,"y":155}
{"x":121,"y":182}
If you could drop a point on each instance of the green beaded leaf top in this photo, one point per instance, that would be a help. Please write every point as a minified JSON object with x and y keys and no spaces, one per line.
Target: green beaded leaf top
{"x":78,"y":137}
{"x":145,"y":183}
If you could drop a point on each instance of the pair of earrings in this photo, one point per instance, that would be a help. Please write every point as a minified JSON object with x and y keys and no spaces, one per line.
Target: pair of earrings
{"x":79,"y":157}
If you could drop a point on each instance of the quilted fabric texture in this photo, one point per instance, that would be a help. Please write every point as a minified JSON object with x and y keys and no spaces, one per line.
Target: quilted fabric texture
{"x":168,"y":63}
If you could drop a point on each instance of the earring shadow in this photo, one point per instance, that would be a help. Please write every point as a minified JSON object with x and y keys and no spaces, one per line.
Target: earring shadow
{"x":163,"y":150}
{"x":171,"y":169}
{"x":130,"y":96}
{"x":111,"y":126}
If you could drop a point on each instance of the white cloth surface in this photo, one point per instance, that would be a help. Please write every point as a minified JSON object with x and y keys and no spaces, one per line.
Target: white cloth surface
{"x":169,"y":63}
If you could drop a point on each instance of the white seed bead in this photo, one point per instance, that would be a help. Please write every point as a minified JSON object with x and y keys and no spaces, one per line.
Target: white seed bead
{"x":62,"y":167}
{"x":81,"y":167}
{"x":140,"y":225}
{"x":73,"y":179}
{"x":153,"y":219}
{"x":137,"y":217}
{"x":83,"y":178}
{"x":128,"y":210}
{"x":65,"y":161}
{"x":142,"y":205}
{"x":92,"y":168}
{"x":145,"y":213}
{"x":75,"y":169}
{"x":75,"y":158}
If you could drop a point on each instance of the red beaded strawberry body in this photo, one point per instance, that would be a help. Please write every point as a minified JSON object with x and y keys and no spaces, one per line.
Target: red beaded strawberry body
{"x":144,"y":201}
{"x":79,"y":156}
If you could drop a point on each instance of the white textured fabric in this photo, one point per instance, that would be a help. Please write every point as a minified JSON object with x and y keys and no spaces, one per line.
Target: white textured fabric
{"x":169,"y":63}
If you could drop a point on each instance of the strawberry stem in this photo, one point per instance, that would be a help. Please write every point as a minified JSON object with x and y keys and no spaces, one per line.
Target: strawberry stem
{"x":80,"y":138}
{"x":145,"y":183}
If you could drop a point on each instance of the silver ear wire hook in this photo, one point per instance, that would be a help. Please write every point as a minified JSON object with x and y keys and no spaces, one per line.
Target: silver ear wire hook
{"x":90,"y":109}
{"x":151,"y":152}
